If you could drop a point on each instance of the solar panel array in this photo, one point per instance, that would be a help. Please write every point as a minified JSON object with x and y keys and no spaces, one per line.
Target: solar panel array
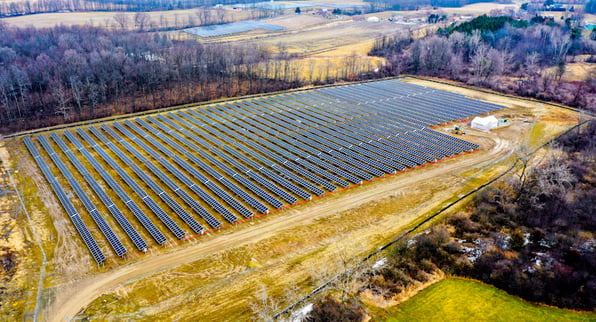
{"x":232,"y":28}
{"x":179,"y":172}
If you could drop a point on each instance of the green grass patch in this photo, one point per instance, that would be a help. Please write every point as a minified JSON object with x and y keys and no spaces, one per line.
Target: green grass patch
{"x":456,"y":299}
{"x":537,"y":135}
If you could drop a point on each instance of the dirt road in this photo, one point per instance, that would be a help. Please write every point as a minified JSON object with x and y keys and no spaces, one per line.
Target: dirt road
{"x":66,"y":305}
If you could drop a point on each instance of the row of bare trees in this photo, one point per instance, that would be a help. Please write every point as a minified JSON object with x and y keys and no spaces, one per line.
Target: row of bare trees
{"x":83,"y":72}
{"x":18,"y":8}
{"x":205,"y":16}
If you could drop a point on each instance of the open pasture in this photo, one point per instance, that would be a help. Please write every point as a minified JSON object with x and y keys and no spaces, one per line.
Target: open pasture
{"x":152,"y":180}
{"x":466,"y":300}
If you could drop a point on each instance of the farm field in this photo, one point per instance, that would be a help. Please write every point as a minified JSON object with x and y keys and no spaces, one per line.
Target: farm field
{"x":106,"y":19}
{"x":232,"y":263}
{"x":325,"y":37}
{"x":456,"y":299}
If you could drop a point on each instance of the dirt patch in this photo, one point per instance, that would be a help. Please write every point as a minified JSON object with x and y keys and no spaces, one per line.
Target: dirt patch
{"x":574,"y":71}
{"x":297,"y":22}
{"x":18,"y":262}
{"x":71,"y":261}
{"x":368,"y":297}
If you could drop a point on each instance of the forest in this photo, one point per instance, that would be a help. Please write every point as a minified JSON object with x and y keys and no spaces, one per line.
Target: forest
{"x":65,"y":74}
{"x":530,"y":234}
{"x":521,"y":58}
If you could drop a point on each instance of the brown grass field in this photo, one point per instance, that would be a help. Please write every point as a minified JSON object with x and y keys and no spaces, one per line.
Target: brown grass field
{"x":106,"y":19}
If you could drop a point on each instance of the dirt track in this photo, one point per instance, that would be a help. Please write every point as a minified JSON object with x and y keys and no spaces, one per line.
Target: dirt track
{"x":66,"y":305}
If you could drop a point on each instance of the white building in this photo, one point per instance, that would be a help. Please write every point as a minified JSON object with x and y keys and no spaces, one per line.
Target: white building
{"x":485,"y":123}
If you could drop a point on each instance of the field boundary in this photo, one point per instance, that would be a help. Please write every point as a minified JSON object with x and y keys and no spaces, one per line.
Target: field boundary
{"x":420,"y":224}
{"x":292,"y":90}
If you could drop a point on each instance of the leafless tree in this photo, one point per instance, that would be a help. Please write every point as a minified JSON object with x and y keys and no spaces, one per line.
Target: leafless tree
{"x":122,"y":20}
{"x":560,"y":43}
{"x":191,"y":20}
{"x":141,"y":20}
{"x":163,"y":22}
{"x":204,"y":15}
{"x":220,"y":14}
{"x":264,"y":306}
{"x":61,"y":96}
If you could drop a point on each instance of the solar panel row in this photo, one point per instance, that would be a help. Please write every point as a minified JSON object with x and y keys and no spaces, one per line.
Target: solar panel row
{"x":74,"y":216}
{"x":132,"y":233}
{"x":141,"y":193}
{"x":105,"y":228}
{"x":157,"y":189}
{"x":175,"y":171}
{"x":239,"y":166}
{"x":130,"y":204}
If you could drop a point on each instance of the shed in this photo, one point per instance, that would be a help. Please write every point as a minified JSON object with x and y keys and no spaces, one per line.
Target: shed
{"x":485,"y":123}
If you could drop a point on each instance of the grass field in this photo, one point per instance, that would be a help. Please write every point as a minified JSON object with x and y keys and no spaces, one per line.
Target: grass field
{"x":455,"y":299}
{"x":106,"y":18}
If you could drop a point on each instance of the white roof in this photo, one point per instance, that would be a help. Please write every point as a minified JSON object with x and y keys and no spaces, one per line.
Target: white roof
{"x":485,"y":120}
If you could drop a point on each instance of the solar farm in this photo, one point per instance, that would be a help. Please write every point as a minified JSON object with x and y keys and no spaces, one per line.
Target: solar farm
{"x":146,"y":181}
{"x":232,"y":28}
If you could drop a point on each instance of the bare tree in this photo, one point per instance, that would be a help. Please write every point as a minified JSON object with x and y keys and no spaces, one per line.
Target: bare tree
{"x":191,"y":20}
{"x":141,"y":20}
{"x":61,"y":96}
{"x":122,"y":20}
{"x":220,"y":13}
{"x":264,"y":306}
{"x":163,"y":22}
{"x":560,"y":43}
{"x":204,"y":15}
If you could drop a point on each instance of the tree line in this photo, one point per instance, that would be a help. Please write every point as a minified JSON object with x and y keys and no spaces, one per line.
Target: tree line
{"x":510,"y":58}
{"x":27,"y":7}
{"x":418,"y":4}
